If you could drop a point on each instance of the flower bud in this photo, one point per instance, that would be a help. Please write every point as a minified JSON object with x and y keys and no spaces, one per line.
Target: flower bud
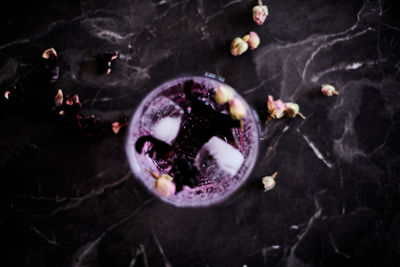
{"x":293,"y":109}
{"x":118,"y":125}
{"x":165,"y":185}
{"x":329,"y":90}
{"x":276,"y":108}
{"x":238,"y":46}
{"x":260,"y":13}
{"x":252,"y":40}
{"x":269,"y":181}
{"x":223,"y":94}
{"x":237,"y":109}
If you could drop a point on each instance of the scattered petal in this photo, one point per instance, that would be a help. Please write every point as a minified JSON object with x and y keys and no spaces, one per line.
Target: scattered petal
{"x":58,"y":99}
{"x":104,"y":61}
{"x":260,"y":13}
{"x":223,"y":94}
{"x":72,"y":100}
{"x":328,"y":90}
{"x":49,"y":53}
{"x":238,"y":46}
{"x":69,"y":101}
{"x":7,"y":94}
{"x":269,"y":181}
{"x":276,"y":108}
{"x":75,"y":98}
{"x":252,"y":39}
{"x":237,"y":109}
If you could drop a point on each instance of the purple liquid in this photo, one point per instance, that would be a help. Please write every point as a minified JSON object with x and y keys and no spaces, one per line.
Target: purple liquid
{"x":201,"y":119}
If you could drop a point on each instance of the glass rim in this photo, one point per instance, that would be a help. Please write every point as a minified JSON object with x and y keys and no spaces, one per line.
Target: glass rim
{"x":136,"y":116}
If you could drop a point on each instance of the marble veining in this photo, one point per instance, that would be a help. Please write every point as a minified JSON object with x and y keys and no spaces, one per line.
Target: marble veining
{"x":68,"y":197}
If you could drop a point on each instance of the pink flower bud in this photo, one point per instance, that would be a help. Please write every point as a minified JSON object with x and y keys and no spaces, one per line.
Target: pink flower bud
{"x":329,"y":90}
{"x":260,"y":13}
{"x":252,"y":40}
{"x":223,"y":94}
{"x":237,"y":109}
{"x":165,"y":185}
{"x":238,"y":46}
{"x":276,"y":108}
{"x":116,"y":126}
{"x":293,"y":109}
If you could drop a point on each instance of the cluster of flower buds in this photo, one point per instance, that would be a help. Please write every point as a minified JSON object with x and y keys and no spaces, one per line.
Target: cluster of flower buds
{"x":164,"y":184}
{"x":223,"y":95}
{"x":277,"y":109}
{"x":260,"y":13}
{"x":240,"y":45}
{"x":328,"y":90}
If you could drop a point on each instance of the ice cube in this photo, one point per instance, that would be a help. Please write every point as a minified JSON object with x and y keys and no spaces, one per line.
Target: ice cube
{"x":159,"y":108}
{"x":218,"y":159}
{"x":167,"y":129}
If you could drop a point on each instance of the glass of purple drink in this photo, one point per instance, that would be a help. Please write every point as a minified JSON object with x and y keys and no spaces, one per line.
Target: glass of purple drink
{"x":197,"y":132}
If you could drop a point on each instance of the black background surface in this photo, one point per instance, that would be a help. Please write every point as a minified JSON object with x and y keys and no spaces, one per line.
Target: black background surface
{"x":71,"y":200}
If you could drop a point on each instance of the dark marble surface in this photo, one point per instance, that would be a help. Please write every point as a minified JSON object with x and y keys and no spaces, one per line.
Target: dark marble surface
{"x":69,"y":199}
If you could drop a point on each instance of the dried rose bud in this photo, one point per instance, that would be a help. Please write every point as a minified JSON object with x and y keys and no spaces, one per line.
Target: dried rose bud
{"x":269,"y":181}
{"x":164,"y":184}
{"x":49,"y":53}
{"x":260,"y":13}
{"x":329,"y":90}
{"x":252,"y":40}
{"x":223,"y":94}
{"x":238,"y":46}
{"x":117,"y":126}
{"x":7,"y":94}
{"x":276,"y":108}
{"x":237,"y":109}
{"x":58,"y":99}
{"x":293,"y":109}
